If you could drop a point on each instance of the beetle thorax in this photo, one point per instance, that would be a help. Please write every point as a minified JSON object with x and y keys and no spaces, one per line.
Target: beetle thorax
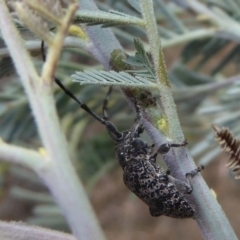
{"x":130,"y":148}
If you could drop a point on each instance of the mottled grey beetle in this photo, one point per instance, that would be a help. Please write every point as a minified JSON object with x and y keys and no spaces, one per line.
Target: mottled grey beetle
{"x":161,"y":192}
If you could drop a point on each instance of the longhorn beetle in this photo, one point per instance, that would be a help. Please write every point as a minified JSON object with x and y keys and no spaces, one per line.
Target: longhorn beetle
{"x":161,"y":192}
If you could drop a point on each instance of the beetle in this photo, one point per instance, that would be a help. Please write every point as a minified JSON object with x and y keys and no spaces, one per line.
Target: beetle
{"x":163,"y":193}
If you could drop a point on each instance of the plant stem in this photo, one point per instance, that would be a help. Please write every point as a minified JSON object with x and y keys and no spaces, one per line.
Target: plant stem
{"x":209,"y":215}
{"x":16,"y":230}
{"x":56,"y":171}
{"x":22,"y":156}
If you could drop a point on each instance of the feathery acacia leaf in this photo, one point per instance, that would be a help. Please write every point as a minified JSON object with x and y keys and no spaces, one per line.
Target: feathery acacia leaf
{"x":230,"y":145}
{"x":141,"y":60}
{"x":108,"y":19}
{"x":141,"y":74}
{"x":112,"y":78}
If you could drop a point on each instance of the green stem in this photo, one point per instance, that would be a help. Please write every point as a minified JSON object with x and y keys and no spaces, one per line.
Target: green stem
{"x":209,"y":215}
{"x":168,"y":104}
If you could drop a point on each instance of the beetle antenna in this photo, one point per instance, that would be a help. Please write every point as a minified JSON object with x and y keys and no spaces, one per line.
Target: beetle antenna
{"x":71,"y":95}
{"x":105,"y":103}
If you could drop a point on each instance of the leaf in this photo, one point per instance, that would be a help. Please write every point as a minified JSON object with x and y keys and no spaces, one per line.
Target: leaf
{"x":142,"y":76}
{"x":108,"y":19}
{"x":112,"y":78}
{"x":6,"y":67}
{"x":229,"y":144}
{"x":135,"y":4}
{"x":140,"y":60}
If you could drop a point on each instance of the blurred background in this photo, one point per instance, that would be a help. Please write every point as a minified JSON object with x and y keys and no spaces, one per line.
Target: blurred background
{"x":201,"y":47}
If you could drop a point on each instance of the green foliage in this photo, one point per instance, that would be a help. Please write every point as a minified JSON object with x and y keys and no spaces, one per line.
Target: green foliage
{"x":206,"y":63}
{"x":142,"y":62}
{"x":111,"y":78}
{"x":142,"y":76}
{"x":106,"y":19}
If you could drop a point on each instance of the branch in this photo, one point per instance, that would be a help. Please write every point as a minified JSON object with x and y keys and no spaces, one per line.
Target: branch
{"x":57,"y":171}
{"x":21,"y":156}
{"x":15,"y":230}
